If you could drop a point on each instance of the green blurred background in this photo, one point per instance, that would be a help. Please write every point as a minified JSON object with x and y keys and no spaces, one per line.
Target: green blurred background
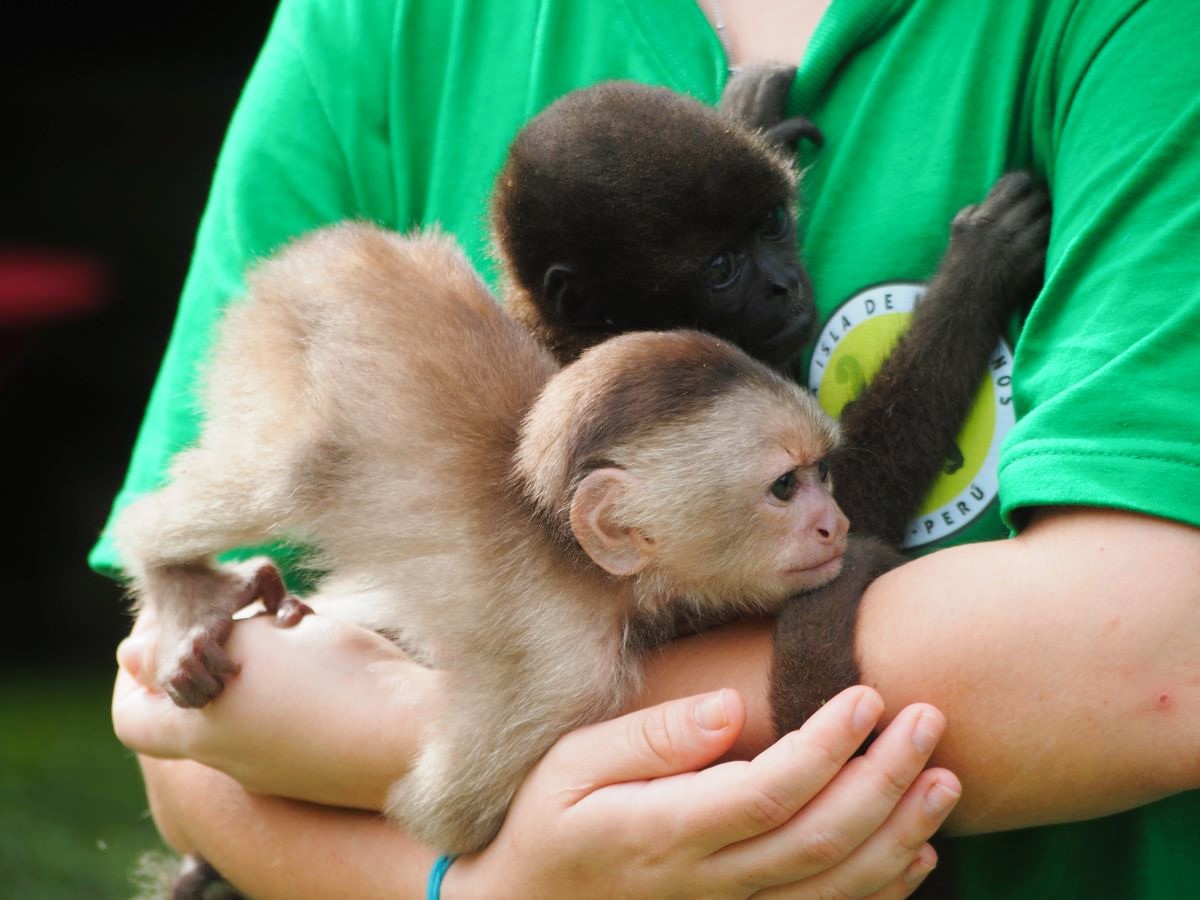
{"x":112,"y":117}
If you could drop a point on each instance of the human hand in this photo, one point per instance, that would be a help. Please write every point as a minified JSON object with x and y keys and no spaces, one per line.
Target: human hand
{"x":320,"y":711}
{"x":618,"y":809}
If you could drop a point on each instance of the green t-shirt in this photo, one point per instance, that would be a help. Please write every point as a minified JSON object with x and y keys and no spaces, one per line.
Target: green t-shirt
{"x":401,"y":112}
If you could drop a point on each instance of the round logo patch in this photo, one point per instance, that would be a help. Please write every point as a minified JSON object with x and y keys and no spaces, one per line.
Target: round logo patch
{"x":856,"y":340}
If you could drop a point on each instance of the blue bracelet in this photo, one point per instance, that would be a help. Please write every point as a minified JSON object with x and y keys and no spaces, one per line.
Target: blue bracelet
{"x":436,"y":874}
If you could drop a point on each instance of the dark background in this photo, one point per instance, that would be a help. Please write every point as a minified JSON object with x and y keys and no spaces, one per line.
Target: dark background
{"x":110,"y":122}
{"x":113,"y":116}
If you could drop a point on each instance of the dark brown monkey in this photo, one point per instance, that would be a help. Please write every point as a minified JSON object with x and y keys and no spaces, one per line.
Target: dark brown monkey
{"x":624,"y":207}
{"x":515,"y":522}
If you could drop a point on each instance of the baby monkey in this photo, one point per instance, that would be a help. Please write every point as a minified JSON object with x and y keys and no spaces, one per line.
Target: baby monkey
{"x":514,"y":521}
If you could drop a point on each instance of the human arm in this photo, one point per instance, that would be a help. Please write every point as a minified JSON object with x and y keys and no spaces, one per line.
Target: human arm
{"x":1064,"y":660}
{"x":599,"y":826}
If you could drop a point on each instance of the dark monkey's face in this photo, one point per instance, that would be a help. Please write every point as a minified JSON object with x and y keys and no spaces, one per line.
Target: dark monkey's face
{"x":758,"y":296}
{"x":626,"y":208}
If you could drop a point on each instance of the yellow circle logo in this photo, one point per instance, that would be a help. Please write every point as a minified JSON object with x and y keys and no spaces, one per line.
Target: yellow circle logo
{"x":856,"y":340}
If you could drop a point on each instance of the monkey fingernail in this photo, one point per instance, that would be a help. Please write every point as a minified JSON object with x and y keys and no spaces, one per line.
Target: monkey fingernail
{"x":710,"y":713}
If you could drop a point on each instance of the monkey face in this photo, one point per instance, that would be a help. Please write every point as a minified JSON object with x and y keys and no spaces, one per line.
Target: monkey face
{"x":757,"y":295}
{"x":741,"y":505}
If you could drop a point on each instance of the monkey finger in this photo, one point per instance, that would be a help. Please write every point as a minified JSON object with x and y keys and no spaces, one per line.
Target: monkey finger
{"x":856,"y":803}
{"x":739,"y":801}
{"x":791,"y":131}
{"x":1029,"y":214}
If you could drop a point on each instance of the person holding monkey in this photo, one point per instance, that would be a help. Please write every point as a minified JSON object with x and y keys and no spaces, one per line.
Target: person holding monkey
{"x":1061,"y":658}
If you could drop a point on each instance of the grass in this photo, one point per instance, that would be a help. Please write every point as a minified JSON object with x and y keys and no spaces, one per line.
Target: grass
{"x":73,"y":817}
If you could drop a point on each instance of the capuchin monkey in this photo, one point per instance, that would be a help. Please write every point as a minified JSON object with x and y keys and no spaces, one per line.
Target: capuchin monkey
{"x":514,"y":521}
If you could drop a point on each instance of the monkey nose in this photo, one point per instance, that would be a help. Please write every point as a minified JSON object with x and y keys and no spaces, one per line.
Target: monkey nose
{"x":786,"y":286}
{"x":832,"y":526}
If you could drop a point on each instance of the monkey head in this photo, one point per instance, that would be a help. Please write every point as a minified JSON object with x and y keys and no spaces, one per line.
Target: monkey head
{"x":624,"y":207}
{"x":675,"y":458}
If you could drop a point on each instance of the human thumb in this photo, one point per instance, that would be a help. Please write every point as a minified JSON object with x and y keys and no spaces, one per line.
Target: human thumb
{"x":676,"y":736}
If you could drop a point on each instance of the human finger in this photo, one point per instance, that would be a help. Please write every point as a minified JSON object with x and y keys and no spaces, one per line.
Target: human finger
{"x":147,"y":720}
{"x":904,"y":885}
{"x":736,"y":802}
{"x":667,"y":739}
{"x":857,"y":801}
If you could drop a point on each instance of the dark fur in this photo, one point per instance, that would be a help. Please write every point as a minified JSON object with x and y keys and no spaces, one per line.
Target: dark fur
{"x":626,"y":193}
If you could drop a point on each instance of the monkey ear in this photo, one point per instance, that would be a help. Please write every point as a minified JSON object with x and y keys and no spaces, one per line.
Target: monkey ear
{"x":558,"y":293}
{"x":616,"y":548}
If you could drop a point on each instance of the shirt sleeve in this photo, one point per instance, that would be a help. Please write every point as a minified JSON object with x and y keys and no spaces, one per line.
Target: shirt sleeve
{"x":1107,"y":393}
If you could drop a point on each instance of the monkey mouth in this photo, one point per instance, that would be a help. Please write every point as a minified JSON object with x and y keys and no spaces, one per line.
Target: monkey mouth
{"x":819,"y":573}
{"x":779,"y":346}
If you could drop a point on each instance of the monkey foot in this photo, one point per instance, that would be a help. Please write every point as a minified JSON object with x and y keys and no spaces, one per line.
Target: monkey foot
{"x":289,"y":611}
{"x":200,"y":671}
{"x":265,"y":582}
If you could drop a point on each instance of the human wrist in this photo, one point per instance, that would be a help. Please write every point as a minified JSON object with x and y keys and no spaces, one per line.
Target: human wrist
{"x":469,"y":877}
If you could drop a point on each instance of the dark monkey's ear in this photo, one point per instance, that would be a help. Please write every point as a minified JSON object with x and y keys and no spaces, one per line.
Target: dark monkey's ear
{"x":562,"y":298}
{"x":557,"y":293}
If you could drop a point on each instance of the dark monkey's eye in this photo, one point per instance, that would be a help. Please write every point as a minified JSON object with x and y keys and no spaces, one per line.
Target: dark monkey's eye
{"x":784,"y":487}
{"x":823,"y":471}
{"x":776,"y":224}
{"x":722,"y":269}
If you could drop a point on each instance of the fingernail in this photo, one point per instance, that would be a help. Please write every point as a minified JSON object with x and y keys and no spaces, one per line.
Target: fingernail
{"x":918,"y":870}
{"x":926,"y":731}
{"x":939,"y":800}
{"x":710,"y":713}
{"x":867,"y":711}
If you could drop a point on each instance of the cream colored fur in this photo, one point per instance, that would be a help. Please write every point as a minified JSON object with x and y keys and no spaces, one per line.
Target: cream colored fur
{"x":366,"y":399}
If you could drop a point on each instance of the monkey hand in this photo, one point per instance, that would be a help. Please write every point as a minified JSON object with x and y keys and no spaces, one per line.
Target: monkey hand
{"x":1001,"y":243}
{"x":624,"y":808}
{"x":317,"y":714}
{"x":757,"y":96}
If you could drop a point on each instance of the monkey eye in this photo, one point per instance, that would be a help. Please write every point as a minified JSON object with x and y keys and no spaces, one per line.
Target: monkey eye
{"x":776,"y":224}
{"x":823,"y":471}
{"x":722,"y":270}
{"x":784,"y":487}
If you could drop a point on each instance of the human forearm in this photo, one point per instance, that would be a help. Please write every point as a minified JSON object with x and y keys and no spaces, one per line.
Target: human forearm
{"x":282,"y":848}
{"x":1064,"y":661}
{"x":617,"y":807}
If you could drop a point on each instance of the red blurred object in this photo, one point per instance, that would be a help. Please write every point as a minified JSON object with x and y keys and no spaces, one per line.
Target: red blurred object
{"x":41,"y":286}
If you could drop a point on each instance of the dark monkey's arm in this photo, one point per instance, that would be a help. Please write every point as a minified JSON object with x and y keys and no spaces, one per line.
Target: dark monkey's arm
{"x":901,"y":429}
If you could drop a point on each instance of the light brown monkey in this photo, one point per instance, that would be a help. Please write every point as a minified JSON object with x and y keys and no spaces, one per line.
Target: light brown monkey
{"x":517,"y":523}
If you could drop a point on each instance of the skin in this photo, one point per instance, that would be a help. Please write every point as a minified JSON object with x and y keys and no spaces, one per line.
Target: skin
{"x":1086,"y":727}
{"x":793,"y":822}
